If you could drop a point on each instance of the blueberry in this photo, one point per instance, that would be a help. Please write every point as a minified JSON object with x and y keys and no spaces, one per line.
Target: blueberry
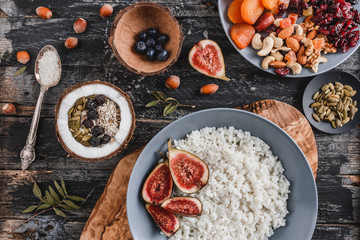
{"x":100,"y":99}
{"x":91,"y":104}
{"x":150,"y":54}
{"x":143,"y":36}
{"x":94,"y":141}
{"x":162,"y":39}
{"x":140,"y":46}
{"x":92,"y":114}
{"x":97,"y":131}
{"x":150,"y":42}
{"x":162,"y":55}
{"x":88,"y":123}
{"x":158,"y":47}
{"x":105,"y":139}
{"x":153,"y":32}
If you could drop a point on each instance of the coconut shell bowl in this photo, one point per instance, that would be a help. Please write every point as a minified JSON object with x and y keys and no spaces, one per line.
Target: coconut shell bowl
{"x":139,"y":17}
{"x":74,"y":106}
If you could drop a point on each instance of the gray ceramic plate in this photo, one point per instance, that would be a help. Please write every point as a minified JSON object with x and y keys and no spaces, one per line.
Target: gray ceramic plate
{"x":302,"y":202}
{"x":250,"y":54}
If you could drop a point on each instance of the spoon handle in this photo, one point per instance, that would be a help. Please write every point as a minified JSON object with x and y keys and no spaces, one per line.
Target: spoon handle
{"x":27,"y":155}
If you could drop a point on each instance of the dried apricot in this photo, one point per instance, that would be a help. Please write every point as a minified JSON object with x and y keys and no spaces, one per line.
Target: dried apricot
{"x":284,"y":23}
{"x":234,"y":11}
{"x":251,"y":10}
{"x":293,"y":17}
{"x":242,"y":34}
{"x":290,"y":56}
{"x":318,"y":43}
{"x":270,"y":4}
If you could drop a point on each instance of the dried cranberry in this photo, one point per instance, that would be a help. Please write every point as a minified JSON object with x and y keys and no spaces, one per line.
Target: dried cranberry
{"x":324,"y":30}
{"x":354,"y":40}
{"x":356,"y":16}
{"x":281,"y":11}
{"x":271,"y":28}
{"x":353,"y":33}
{"x":345,"y":47}
{"x":282,"y":71}
{"x":336,"y":29}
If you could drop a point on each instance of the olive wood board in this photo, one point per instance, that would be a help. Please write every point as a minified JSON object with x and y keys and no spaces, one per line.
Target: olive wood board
{"x":108,"y":219}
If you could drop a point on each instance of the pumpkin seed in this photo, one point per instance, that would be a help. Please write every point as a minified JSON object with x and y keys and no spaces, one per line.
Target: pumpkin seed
{"x":80,"y":107}
{"x":77,"y":113}
{"x":316,"y":117}
{"x":352,"y":112}
{"x":315,"y":95}
{"x":77,"y":133}
{"x":338,"y":122}
{"x":86,"y":138}
{"x":315,"y":105}
{"x":85,"y":143}
{"x":70,"y":111}
{"x":76,"y":118}
{"x":78,"y":138}
{"x":346,"y":120}
{"x":73,"y":127}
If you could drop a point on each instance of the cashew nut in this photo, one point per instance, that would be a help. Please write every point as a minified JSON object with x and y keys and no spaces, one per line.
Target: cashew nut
{"x":321,"y":59}
{"x":277,"y":22}
{"x":295,"y":67}
{"x":278,"y":42}
{"x":298,"y":29}
{"x":256,"y":42}
{"x":283,"y":48}
{"x":277,"y":55}
{"x":266,"y":61}
{"x":306,"y":41}
{"x":267,"y":46}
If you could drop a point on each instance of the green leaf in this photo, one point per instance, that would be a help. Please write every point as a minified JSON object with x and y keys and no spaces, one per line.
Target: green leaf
{"x":49,"y":198}
{"x":76,"y":198}
{"x":20,"y":71}
{"x":71,"y":204}
{"x":153,"y":103}
{"x":167,"y":108}
{"x":29,"y":209}
{"x":60,"y":213}
{"x":66,"y":207}
{"x":156,"y":95}
{"x":171,"y":99}
{"x":63,"y":186}
{"x":43,"y":206}
{"x":59,"y":188}
{"x":171,"y":109}
{"x":37,"y":191}
{"x":162,"y":95}
{"x":53,"y":194}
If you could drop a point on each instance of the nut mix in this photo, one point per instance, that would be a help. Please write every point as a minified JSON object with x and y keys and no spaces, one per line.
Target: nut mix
{"x":94,"y":120}
{"x":334,"y":104}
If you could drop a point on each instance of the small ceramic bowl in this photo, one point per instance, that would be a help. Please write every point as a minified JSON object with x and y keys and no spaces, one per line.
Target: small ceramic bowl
{"x":139,"y":17}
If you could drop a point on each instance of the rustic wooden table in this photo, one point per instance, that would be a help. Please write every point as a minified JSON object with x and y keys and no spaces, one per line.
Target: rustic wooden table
{"x":20,"y":29}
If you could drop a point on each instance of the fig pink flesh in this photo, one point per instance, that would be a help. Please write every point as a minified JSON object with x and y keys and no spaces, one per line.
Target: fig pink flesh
{"x":188,"y":171}
{"x":207,"y":59}
{"x":159,"y":185}
{"x":166,"y":220}
{"x":183,"y":206}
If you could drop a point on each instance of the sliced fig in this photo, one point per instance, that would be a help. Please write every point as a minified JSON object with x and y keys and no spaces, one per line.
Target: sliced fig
{"x":206,"y":57}
{"x":167,"y":221}
{"x":189,"y":172}
{"x":187,"y":206}
{"x":158,"y":185}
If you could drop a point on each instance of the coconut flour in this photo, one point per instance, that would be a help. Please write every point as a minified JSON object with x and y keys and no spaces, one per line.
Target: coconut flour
{"x":49,"y":70}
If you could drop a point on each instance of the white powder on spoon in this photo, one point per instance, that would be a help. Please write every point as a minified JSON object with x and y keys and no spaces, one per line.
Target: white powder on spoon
{"x":49,"y":70}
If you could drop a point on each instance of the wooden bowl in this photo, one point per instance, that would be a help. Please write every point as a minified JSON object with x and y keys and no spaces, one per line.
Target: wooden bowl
{"x":139,"y":17}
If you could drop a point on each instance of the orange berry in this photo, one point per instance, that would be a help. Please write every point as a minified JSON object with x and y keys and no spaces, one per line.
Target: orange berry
{"x":44,"y":12}
{"x":23,"y":57}
{"x":106,"y":10}
{"x":209,"y":89}
{"x":80,"y":25}
{"x":172,"y":82}
{"x":71,"y":42}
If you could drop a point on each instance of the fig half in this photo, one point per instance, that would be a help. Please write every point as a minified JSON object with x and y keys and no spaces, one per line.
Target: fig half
{"x":207,"y":58}
{"x":187,"y":206}
{"x":166,"y":220}
{"x":189,"y":172}
{"x":158,"y":185}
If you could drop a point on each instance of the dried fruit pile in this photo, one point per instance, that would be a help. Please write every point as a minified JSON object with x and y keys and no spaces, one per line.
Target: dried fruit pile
{"x":189,"y":173}
{"x":94,"y":120}
{"x":334,"y":104}
{"x":329,"y":24}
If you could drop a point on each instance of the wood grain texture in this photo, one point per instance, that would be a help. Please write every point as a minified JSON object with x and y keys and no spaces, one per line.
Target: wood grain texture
{"x":291,"y":121}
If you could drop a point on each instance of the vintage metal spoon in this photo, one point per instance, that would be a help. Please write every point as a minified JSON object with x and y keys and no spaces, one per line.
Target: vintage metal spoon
{"x":28,"y":155}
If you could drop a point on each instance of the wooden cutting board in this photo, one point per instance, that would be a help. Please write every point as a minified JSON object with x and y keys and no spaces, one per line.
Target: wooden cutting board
{"x":108,"y":219}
